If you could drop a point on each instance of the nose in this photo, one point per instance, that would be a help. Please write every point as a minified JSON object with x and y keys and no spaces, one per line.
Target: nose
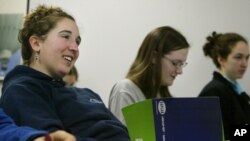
{"x":245,"y":62}
{"x":74,"y":46}
{"x":179,"y":70}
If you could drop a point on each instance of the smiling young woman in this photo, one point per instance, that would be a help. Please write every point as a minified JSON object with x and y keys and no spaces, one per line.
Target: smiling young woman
{"x":160,"y":59}
{"x":50,"y":38}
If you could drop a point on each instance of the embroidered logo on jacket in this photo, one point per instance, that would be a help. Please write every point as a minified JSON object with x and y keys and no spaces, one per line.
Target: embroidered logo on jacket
{"x":95,"y":101}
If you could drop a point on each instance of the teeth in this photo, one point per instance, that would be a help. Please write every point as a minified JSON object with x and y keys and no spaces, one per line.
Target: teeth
{"x":68,"y":58}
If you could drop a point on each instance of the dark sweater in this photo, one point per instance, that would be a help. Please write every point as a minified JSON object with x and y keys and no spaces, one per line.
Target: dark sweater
{"x":235,"y":108}
{"x":34,"y":99}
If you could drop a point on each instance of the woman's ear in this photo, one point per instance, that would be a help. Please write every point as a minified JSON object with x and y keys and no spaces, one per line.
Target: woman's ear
{"x":34,"y":42}
{"x":154,"y":57}
{"x":221,"y":60}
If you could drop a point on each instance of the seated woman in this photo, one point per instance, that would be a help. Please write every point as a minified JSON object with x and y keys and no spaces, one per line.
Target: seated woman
{"x":34,"y":94}
{"x":160,"y":59}
{"x":230,"y":54}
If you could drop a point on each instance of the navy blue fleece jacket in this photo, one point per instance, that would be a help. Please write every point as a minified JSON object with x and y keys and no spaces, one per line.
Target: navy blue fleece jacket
{"x":34,"y":99}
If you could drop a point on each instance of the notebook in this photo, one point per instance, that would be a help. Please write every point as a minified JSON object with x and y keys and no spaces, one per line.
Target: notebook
{"x":175,"y":119}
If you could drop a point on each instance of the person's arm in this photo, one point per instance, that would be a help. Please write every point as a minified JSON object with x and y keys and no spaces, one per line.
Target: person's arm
{"x":119,"y":100}
{"x":11,"y":132}
{"x":122,"y":95}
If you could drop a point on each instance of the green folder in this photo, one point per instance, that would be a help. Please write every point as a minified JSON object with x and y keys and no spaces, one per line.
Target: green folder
{"x":175,"y":119}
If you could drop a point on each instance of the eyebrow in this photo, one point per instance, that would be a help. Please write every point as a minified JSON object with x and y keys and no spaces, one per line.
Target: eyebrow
{"x":242,"y":54}
{"x":67,"y":31}
{"x":175,"y":59}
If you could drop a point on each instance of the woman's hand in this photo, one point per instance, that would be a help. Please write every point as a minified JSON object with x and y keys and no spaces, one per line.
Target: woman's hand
{"x":58,"y":135}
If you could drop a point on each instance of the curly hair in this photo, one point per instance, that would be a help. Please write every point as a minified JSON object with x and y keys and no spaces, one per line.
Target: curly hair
{"x":39,"y":22}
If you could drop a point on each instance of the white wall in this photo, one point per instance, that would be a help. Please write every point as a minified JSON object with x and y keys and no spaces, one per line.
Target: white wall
{"x":112,"y":31}
{"x":13,"y":6}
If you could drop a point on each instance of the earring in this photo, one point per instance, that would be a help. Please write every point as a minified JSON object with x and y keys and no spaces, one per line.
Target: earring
{"x":36,"y":56}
